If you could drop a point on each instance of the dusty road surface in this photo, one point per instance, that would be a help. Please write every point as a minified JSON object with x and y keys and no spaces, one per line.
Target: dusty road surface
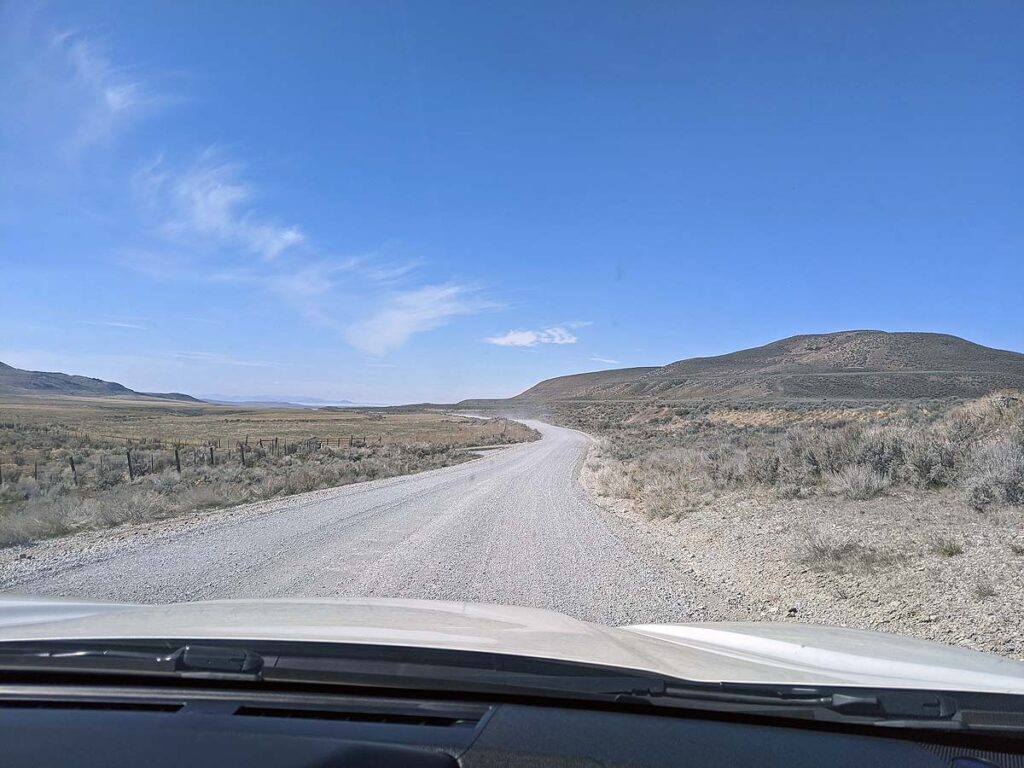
{"x":512,"y":527}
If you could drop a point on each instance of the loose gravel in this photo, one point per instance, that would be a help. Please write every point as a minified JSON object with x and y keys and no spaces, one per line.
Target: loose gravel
{"x":752,"y":550}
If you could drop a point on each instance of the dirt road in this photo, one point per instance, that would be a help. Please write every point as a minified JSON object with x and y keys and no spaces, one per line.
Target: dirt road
{"x":511,"y":527}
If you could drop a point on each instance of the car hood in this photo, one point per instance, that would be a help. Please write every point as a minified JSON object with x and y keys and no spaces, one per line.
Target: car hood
{"x":787,"y":654}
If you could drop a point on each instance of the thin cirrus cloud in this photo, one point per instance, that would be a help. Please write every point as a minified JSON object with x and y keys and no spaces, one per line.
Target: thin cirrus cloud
{"x":115,"y":324}
{"x":209,"y":203}
{"x":407,"y":313}
{"x":554,"y":335}
{"x":607,"y":360}
{"x":202,"y":220}
{"x":107,"y":97}
{"x":209,"y":199}
{"x":217,"y":359}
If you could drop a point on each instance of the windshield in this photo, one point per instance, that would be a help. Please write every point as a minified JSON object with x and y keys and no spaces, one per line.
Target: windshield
{"x":685,"y":338}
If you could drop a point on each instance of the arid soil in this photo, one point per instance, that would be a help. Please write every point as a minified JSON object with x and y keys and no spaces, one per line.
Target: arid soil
{"x":908,"y":562}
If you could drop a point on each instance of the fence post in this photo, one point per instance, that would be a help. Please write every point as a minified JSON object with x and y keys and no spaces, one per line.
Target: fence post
{"x":241,"y":453}
{"x":74,"y":472}
{"x":177,"y":460}
{"x":1,"y":474}
{"x":131,"y":470}
{"x":35,"y":470}
{"x":212,"y":462}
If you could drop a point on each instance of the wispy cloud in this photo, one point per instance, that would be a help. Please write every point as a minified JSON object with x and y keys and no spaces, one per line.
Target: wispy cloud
{"x":107,"y":98}
{"x":407,"y":313}
{"x":213,"y":358}
{"x":555,"y":335}
{"x":202,"y":218}
{"x":608,"y":360}
{"x":209,"y":199}
{"x":113,"y":324}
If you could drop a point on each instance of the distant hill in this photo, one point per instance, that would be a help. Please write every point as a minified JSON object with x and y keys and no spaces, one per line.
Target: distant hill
{"x":273,"y":401}
{"x":848,"y":365}
{"x":19,"y":383}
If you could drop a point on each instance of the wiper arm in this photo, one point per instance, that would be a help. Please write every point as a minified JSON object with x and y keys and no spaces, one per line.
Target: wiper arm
{"x":206,"y":661}
{"x":924,"y":710}
{"x":905,"y":704}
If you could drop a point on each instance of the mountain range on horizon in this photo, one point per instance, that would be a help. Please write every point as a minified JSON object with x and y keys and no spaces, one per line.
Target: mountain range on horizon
{"x":845,"y":365}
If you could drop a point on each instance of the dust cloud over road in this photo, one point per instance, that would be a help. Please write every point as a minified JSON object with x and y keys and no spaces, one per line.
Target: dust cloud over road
{"x":512,"y":527}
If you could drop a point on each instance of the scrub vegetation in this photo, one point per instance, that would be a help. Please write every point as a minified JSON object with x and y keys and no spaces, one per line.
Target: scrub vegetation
{"x":904,"y":517}
{"x":73,"y":465}
{"x":671,"y":458}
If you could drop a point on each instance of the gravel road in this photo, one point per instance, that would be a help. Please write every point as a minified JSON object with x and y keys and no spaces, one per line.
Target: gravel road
{"x":512,"y":527}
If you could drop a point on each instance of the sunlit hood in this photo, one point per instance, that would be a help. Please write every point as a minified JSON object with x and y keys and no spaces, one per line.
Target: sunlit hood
{"x":757,"y":653}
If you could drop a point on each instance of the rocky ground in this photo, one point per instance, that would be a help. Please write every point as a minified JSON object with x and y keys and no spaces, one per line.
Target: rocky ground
{"x":915,"y":563}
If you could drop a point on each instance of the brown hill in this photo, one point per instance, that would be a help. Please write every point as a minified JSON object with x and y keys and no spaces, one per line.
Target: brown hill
{"x":15,"y":382}
{"x":849,"y":365}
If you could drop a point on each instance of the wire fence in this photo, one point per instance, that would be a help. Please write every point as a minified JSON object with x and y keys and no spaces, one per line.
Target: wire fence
{"x":102,"y":463}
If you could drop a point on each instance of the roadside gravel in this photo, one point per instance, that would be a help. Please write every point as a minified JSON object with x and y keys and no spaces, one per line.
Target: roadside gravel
{"x":752,"y":550}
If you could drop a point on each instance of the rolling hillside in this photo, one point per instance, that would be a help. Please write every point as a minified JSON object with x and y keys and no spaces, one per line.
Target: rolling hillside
{"x":15,"y":382}
{"x":848,"y":365}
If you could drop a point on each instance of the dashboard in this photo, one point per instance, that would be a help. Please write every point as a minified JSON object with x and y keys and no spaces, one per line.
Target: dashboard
{"x":44,"y":725}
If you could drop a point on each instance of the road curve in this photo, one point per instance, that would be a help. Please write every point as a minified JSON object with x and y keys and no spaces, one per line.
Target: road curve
{"x":512,"y":527}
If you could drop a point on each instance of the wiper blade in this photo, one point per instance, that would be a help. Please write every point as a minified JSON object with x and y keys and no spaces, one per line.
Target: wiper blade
{"x":905,"y":704}
{"x":206,"y":661}
{"x":925,"y":710}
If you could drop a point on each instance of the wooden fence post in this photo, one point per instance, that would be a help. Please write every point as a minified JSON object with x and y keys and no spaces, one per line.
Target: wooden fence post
{"x":35,"y":471}
{"x":177,"y":460}
{"x":131,"y":470}
{"x":212,"y":462}
{"x":74,"y":472}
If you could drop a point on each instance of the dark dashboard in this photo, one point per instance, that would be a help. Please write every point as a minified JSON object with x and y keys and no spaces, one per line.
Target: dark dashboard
{"x":44,"y":725}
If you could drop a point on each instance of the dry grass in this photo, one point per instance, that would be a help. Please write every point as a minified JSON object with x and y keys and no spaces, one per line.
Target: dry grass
{"x":842,"y":556}
{"x":904,"y":518}
{"x":946,"y":547}
{"x":664,"y":457}
{"x":984,"y":588}
{"x":256,"y":454}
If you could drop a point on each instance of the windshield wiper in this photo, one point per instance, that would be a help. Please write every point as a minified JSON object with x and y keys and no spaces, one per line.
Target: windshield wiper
{"x":223,"y":662}
{"x":427,"y":671}
{"x":205,"y":661}
{"x":910,"y":709}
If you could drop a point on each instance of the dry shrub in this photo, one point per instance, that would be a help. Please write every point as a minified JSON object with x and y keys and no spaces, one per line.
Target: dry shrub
{"x":996,"y":472}
{"x":30,"y":511}
{"x":946,"y":547}
{"x":824,"y":553}
{"x":858,"y":482}
{"x":976,"y":448}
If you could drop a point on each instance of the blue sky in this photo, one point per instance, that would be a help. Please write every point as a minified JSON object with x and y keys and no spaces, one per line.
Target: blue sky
{"x":408,"y":201}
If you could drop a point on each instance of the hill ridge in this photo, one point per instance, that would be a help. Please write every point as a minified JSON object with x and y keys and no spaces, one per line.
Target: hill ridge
{"x":859,"y":364}
{"x":18,"y":382}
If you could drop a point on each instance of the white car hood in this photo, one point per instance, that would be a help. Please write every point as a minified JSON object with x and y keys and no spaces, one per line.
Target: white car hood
{"x":794,"y":654}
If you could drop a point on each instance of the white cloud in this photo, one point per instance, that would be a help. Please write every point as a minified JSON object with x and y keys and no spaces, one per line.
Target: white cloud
{"x":554,"y":335}
{"x":217,"y":359}
{"x":608,"y":360}
{"x":62,"y":94}
{"x":200,"y":219}
{"x":210,"y":200}
{"x":97,"y":99}
{"x":407,"y":313}
{"x":112,"y":324}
